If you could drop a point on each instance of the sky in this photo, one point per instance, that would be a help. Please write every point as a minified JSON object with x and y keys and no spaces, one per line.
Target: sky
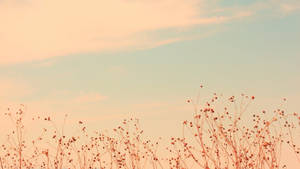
{"x":101,"y":61}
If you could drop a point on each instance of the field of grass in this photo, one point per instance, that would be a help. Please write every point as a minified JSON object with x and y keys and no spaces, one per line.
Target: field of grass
{"x":227,"y":137}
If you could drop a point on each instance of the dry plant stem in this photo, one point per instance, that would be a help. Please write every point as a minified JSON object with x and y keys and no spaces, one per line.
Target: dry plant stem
{"x":1,"y":163}
{"x":214,"y":139}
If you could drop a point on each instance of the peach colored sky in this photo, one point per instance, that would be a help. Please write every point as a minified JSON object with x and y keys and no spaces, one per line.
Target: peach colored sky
{"x":37,"y":30}
{"x":105,"y":60}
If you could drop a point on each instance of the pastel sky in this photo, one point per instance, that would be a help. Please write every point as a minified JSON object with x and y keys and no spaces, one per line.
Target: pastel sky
{"x":103,"y":60}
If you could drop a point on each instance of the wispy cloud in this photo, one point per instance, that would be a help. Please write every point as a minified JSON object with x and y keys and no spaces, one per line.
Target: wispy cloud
{"x":288,"y":8}
{"x":12,"y":89}
{"x":36,"y":30}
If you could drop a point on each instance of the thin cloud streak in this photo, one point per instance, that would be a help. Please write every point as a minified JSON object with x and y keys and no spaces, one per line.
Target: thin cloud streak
{"x":38,"y":30}
{"x":12,"y":89}
{"x":35,"y":30}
